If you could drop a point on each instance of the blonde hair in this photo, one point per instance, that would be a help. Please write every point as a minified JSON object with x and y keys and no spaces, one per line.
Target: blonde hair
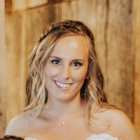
{"x":92,"y":91}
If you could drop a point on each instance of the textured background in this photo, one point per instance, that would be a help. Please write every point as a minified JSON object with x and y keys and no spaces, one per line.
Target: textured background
{"x":116,"y":27}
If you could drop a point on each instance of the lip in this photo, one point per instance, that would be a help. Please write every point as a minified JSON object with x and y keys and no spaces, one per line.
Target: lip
{"x":62,"y":85}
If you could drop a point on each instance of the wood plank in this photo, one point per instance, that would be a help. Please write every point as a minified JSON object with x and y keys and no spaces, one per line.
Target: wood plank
{"x":74,"y":10}
{"x":68,"y":10}
{"x":120,"y":54}
{"x":16,"y":33}
{"x":15,"y":5}
{"x":2,"y":69}
{"x":38,"y":20}
{"x":136,"y":44}
{"x":101,"y":36}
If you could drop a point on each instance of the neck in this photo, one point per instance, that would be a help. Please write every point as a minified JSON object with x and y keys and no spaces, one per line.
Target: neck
{"x":62,"y":110}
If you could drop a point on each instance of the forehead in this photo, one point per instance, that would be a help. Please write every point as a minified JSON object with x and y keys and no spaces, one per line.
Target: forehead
{"x":76,"y":46}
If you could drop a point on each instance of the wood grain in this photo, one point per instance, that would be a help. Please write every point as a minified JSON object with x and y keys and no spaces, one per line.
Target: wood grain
{"x":2,"y":69}
{"x":136,"y":44}
{"x":16,"y":44}
{"x":16,"y":5}
{"x":119,"y":55}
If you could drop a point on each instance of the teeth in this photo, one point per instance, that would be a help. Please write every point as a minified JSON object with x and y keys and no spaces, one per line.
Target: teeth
{"x":62,"y":85}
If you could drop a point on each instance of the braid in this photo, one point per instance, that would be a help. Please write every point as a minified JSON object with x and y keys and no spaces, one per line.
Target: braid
{"x":70,"y":26}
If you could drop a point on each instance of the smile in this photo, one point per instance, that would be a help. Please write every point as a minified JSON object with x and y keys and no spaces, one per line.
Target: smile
{"x":63,"y":85}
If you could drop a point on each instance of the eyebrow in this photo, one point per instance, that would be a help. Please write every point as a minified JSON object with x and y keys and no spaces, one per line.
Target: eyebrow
{"x":72,"y":60}
{"x":56,"y":57}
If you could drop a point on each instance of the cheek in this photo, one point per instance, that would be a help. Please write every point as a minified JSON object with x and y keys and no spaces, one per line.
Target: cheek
{"x":80,"y":75}
{"x":50,"y":71}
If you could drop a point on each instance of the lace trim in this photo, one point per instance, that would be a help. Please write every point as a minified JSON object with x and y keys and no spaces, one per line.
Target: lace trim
{"x":92,"y":137}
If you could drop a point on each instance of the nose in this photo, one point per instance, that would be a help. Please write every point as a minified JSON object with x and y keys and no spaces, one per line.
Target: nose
{"x":66,"y":72}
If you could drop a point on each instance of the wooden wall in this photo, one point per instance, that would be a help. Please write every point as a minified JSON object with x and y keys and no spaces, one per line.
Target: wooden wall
{"x":2,"y":69}
{"x":136,"y":45}
{"x":115,"y":26}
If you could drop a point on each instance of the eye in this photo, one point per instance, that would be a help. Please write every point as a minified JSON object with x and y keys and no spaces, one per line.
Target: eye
{"x":77,"y":64}
{"x":55,"y":61}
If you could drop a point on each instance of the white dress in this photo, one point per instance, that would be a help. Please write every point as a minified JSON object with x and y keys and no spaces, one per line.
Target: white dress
{"x":102,"y":137}
{"x":92,"y":137}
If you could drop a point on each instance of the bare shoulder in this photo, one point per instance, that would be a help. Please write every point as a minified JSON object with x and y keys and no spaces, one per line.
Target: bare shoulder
{"x":18,"y":124}
{"x":120,"y":124}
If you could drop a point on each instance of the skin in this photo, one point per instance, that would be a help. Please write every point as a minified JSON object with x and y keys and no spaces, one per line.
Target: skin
{"x":66,"y":71}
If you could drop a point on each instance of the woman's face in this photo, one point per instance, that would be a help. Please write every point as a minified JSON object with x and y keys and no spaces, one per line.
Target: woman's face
{"x":66,"y":69}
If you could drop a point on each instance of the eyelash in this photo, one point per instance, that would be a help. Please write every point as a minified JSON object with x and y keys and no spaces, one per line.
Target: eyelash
{"x":75,"y":64}
{"x":78,"y":64}
{"x":57,"y":62}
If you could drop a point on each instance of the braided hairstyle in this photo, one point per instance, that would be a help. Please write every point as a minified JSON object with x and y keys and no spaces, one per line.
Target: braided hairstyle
{"x":92,"y":90}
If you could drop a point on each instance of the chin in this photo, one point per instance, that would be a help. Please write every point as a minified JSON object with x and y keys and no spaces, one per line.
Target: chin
{"x":67,"y":99}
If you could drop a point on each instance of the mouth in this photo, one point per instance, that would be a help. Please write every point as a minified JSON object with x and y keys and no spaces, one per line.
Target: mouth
{"x":63,"y":85}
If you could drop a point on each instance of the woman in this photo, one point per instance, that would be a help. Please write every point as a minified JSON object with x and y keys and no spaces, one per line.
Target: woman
{"x":65,"y":90}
